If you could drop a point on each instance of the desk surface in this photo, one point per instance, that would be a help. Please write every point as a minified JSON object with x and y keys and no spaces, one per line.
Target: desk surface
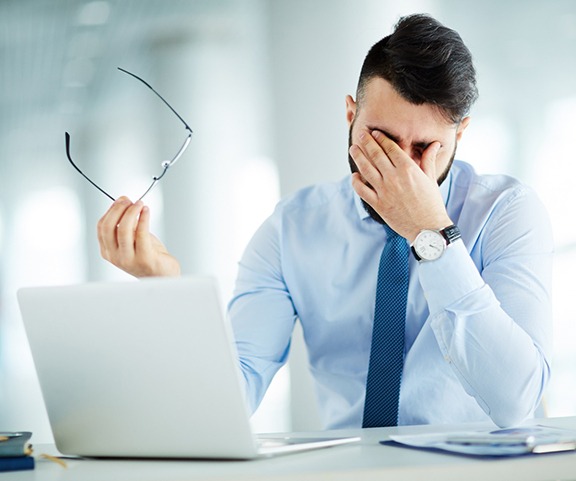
{"x":365,"y":460}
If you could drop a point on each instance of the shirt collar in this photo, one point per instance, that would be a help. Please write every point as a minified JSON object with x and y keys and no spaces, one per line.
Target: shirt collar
{"x":444,"y":190}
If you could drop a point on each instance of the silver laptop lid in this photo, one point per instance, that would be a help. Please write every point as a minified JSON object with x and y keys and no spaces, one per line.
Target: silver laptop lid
{"x":145,"y":368}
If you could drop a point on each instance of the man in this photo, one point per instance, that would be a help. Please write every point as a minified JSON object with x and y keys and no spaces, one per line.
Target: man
{"x":477,"y":336}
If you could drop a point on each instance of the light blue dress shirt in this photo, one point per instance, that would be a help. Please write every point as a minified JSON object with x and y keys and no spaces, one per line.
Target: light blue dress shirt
{"x":478,"y":325}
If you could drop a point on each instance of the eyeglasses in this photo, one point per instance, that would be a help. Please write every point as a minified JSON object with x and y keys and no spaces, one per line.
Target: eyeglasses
{"x":165,"y":164}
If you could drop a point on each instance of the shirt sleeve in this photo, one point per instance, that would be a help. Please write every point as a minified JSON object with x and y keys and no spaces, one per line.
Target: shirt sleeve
{"x":491,"y":312}
{"x":261,"y":311}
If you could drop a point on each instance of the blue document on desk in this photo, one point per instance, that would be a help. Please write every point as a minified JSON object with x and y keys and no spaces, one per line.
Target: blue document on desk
{"x":523,"y":440}
{"x":15,"y":451}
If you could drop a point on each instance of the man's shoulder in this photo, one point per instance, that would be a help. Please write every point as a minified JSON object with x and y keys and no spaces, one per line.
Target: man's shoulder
{"x":465,"y":177}
{"x":479,"y":199}
{"x":317,"y":196}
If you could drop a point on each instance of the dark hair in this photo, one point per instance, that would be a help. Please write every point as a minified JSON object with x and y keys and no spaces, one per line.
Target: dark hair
{"x":425,"y":62}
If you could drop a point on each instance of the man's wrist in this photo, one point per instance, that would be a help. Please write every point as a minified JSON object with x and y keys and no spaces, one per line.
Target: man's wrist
{"x":437,"y":225}
{"x":449,"y":279}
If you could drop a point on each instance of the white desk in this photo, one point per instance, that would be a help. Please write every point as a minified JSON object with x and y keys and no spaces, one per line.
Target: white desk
{"x":366,"y":460}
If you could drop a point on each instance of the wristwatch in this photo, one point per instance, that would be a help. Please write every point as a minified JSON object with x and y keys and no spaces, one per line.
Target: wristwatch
{"x":429,"y":245}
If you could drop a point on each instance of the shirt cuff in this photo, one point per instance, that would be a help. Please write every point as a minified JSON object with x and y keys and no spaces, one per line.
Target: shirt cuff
{"x":449,"y":278}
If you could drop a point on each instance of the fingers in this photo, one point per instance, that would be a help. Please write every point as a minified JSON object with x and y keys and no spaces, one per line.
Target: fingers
{"x":143,"y":241}
{"x":126,"y":229}
{"x":402,"y":190}
{"x":364,"y":191}
{"x":107,"y":225}
{"x":116,"y":229}
{"x":375,"y":154}
{"x":428,"y":161}
{"x":384,"y":153}
{"x":367,"y":155}
{"x":125,"y":241}
{"x":394,"y":153}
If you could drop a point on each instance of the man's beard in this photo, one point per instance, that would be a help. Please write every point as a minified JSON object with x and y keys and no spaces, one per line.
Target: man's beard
{"x":354,"y":168}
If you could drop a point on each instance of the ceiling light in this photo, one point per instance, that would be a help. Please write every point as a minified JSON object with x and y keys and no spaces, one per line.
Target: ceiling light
{"x":94,"y":13}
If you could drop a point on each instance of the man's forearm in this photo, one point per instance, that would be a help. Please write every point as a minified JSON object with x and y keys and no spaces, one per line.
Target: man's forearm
{"x":500,"y":355}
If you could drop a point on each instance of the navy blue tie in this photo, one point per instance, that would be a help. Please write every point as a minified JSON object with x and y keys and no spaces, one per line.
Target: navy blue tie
{"x":387,"y":351}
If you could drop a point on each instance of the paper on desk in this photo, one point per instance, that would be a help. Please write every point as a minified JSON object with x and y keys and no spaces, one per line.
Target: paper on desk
{"x":501,"y":442}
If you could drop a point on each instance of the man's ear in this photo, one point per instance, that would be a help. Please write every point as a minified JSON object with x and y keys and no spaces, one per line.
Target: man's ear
{"x":462,"y":127}
{"x":350,"y":110}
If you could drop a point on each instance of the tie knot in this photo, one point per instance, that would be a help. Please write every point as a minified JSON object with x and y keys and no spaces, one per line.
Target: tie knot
{"x":391,"y":233}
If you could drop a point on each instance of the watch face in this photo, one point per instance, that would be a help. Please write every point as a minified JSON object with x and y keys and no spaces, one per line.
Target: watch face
{"x":429,"y":245}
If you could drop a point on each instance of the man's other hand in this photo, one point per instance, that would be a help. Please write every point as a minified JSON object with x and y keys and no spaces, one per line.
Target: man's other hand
{"x":125,"y":241}
{"x":403,"y":191}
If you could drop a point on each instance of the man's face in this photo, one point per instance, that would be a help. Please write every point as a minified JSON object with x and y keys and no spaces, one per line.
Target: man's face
{"x":412,"y":127}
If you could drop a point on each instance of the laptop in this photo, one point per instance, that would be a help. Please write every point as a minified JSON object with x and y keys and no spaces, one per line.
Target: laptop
{"x":144,"y":369}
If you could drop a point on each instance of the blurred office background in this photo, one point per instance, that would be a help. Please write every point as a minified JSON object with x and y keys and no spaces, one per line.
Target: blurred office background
{"x":262,"y":84}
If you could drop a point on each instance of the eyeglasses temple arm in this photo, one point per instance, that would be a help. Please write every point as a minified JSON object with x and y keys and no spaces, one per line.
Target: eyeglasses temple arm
{"x":159,"y":96}
{"x":67,"y":135}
